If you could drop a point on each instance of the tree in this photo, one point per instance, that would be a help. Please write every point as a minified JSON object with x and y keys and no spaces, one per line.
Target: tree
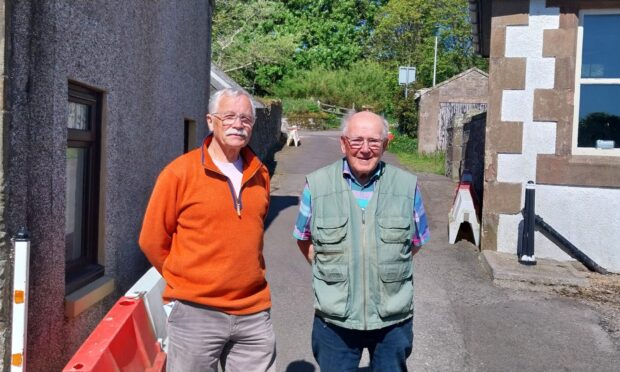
{"x":405,"y":33}
{"x":364,"y":83}
{"x":249,"y":43}
{"x":258,"y":42}
{"x":334,"y":34}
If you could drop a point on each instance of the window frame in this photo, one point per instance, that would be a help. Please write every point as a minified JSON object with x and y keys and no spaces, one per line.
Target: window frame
{"x":86,"y":268}
{"x":189,"y":135}
{"x":579,"y":81}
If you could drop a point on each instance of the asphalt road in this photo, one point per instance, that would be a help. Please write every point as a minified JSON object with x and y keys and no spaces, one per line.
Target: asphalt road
{"x":462,"y":322}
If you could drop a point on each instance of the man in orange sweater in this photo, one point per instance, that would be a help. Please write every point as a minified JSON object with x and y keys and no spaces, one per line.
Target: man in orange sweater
{"x":203,"y":231}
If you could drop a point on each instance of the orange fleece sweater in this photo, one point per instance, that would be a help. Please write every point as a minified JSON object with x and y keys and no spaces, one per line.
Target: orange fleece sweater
{"x":208,"y":247}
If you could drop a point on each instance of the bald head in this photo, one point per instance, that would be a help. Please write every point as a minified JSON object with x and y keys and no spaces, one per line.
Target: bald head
{"x":363,"y":141}
{"x":364,"y":117}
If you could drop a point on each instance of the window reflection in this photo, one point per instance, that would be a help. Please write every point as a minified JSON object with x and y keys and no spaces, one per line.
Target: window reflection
{"x":601,"y":46}
{"x":599,"y":114}
{"x":76,"y":172}
{"x":79,"y":116}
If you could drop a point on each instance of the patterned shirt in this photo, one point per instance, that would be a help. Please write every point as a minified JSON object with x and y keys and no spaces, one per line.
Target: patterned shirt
{"x":363,"y":194}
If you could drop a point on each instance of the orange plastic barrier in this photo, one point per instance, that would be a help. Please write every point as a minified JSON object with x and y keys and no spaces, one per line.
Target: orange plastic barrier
{"x":122,"y":341}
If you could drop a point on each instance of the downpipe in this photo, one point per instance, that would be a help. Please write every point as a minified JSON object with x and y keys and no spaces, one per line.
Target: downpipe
{"x":532,"y":220}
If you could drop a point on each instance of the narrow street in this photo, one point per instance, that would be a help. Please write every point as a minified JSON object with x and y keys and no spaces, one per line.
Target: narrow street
{"x":462,"y":322}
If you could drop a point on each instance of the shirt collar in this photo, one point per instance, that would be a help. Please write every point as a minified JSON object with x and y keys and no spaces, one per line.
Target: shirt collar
{"x":251,"y":162}
{"x":346,"y":172}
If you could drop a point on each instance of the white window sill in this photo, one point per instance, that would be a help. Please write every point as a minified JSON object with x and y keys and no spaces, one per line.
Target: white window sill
{"x":591,"y":151}
{"x":87,"y":296}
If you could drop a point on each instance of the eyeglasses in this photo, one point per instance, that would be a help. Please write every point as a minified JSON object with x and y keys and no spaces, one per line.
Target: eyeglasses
{"x":229,"y":118}
{"x":374,"y":144}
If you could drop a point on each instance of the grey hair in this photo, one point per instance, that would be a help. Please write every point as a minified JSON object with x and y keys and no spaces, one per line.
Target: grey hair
{"x":347,"y":119}
{"x":215,"y":99}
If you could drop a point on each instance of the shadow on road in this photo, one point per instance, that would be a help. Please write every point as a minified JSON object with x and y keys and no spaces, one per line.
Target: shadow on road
{"x":303,"y":366}
{"x":278,"y":204}
{"x":300,"y":366}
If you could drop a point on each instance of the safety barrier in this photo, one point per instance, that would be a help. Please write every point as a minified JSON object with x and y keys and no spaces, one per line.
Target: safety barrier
{"x":150,"y":288}
{"x":21,"y":275}
{"x":123,"y":341}
{"x":464,"y":210}
{"x":292,"y":135}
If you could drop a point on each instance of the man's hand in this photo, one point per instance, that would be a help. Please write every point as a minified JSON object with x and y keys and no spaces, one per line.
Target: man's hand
{"x":307,"y":249}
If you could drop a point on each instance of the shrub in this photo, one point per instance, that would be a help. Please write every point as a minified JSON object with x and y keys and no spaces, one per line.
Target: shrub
{"x":406,"y":113}
{"x":298,"y":106}
{"x":363,"y":84}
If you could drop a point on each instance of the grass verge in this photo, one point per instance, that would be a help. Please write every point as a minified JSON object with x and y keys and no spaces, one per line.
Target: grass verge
{"x":406,"y":150}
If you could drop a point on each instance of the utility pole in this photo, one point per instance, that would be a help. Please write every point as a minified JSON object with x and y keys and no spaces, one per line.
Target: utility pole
{"x":435,"y":62}
{"x":407,"y":84}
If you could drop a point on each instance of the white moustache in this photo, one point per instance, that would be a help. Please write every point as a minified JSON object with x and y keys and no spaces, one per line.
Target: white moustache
{"x":234,"y":131}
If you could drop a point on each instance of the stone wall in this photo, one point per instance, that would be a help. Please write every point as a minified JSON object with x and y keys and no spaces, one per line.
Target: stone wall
{"x":530,"y":135}
{"x":309,"y":121}
{"x":150,"y":61}
{"x":453,"y":96}
{"x":454,"y":148}
{"x":465,"y":149}
{"x":474,"y":135}
{"x":6,"y":271}
{"x":266,"y":136}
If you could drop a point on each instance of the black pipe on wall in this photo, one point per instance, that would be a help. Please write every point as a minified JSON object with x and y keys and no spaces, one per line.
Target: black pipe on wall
{"x":568,"y":247}
{"x":531,"y":220}
{"x":526,"y":249}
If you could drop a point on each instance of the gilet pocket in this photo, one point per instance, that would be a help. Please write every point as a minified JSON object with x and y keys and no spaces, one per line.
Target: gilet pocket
{"x":331,"y":289}
{"x":395,"y":288}
{"x":394,"y":242}
{"x":330,"y":233}
{"x":394,"y":230}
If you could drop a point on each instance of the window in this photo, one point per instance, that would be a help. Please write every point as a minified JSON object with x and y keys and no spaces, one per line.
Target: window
{"x":597,"y":92}
{"x":82,"y":187}
{"x":189,"y":135}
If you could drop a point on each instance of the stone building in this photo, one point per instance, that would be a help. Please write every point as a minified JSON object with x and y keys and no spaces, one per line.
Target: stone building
{"x":439,"y":105}
{"x":98,"y":97}
{"x":554,"y":118}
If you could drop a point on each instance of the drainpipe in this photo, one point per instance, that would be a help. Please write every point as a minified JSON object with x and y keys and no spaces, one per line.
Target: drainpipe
{"x":19,"y":327}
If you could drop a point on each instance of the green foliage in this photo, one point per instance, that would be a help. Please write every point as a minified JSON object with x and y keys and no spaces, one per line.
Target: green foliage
{"x":300,"y":111}
{"x":406,"y":150}
{"x":363,"y":84}
{"x":403,"y":143}
{"x":406,"y":112}
{"x":405,"y":35}
{"x":258,"y":42}
{"x":344,"y":53}
{"x":299,"y":106}
{"x":333,"y":122}
{"x":334,"y":33}
{"x":249,"y":43}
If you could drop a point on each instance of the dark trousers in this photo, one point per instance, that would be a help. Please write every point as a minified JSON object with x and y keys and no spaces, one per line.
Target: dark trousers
{"x":339,"y":349}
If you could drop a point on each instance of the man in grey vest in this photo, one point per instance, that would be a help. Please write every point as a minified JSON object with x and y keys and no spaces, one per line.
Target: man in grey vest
{"x":360,"y":222}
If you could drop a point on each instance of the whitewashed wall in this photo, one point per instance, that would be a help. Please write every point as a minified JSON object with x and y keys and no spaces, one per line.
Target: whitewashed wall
{"x":586,"y":216}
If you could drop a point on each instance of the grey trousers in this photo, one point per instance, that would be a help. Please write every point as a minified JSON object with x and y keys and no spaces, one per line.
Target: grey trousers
{"x":200,"y":337}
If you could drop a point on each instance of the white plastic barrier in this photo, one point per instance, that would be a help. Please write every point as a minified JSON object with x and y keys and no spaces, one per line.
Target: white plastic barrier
{"x":463,"y":210}
{"x":150,"y":287}
{"x":292,"y":135}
